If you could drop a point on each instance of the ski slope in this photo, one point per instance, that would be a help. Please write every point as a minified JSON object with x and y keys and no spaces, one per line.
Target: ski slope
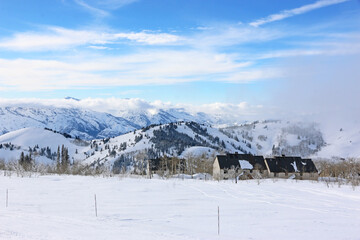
{"x":62,"y":207}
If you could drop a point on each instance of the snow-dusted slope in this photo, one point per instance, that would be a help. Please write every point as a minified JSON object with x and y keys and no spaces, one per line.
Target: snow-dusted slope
{"x":280,"y":137}
{"x":175,"y":139}
{"x":43,"y":145}
{"x":29,"y":137}
{"x":77,"y":122}
{"x":186,"y":139}
{"x":341,"y":143}
{"x":89,"y":124}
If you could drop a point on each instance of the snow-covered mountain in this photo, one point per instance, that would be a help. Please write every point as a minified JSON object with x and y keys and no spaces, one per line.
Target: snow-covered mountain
{"x":88,"y":124}
{"x":280,"y":137}
{"x":182,"y":139}
{"x":174,"y":139}
{"x":136,"y":129}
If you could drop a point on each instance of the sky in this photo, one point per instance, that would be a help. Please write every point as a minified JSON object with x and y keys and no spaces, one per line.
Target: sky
{"x":297,"y":57}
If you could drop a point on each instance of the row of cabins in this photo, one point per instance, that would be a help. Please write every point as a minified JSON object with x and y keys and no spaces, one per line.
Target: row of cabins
{"x":247,"y":166}
{"x":244,"y":166}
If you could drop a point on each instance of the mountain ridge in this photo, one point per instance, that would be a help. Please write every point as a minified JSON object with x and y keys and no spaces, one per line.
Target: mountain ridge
{"x":180,"y":139}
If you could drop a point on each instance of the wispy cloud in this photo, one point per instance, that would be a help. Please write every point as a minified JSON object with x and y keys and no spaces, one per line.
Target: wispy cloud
{"x":93,"y":10}
{"x":229,"y":35}
{"x":333,"y":47}
{"x":97,"y":8}
{"x":149,"y":38}
{"x":296,"y":11}
{"x":56,"y":38}
{"x":112,"y":4}
{"x":149,"y":67}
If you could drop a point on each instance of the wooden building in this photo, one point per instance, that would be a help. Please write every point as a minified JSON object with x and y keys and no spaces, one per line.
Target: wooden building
{"x":285,"y":167}
{"x":239,"y":165}
{"x":247,"y":166}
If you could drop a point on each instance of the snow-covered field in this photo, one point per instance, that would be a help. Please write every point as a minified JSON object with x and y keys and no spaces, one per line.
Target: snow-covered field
{"x":62,"y":207}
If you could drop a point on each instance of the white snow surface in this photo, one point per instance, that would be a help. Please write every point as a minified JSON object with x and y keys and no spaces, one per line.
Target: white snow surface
{"x":29,"y":137}
{"x":62,"y":207}
{"x":295,"y":167}
{"x":345,"y":143}
{"x":198,"y":152}
{"x":245,"y":164}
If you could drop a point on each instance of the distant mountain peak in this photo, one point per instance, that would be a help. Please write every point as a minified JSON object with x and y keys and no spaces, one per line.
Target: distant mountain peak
{"x":72,"y":98}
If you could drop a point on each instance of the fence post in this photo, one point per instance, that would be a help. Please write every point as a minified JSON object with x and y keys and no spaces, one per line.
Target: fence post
{"x":7,"y":197}
{"x":95,"y":206}
{"x":218,"y":220}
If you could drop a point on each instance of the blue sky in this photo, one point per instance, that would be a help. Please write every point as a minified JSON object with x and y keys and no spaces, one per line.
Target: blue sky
{"x":193,"y":52}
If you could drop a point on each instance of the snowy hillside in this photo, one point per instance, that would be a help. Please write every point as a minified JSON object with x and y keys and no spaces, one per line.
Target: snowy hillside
{"x":76,"y":122}
{"x":174,"y":139}
{"x":341,"y":143}
{"x":280,"y":137}
{"x":183,"y":139}
{"x":43,"y":145}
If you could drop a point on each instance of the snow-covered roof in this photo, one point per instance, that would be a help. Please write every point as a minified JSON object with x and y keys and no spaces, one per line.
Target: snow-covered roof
{"x":244,"y":164}
{"x":290,"y":164}
{"x":242,"y":161}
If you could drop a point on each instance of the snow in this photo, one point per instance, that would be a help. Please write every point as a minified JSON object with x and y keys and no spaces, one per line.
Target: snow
{"x":345,"y":143}
{"x":30,"y":137}
{"x":261,"y":137}
{"x":198,"y":152}
{"x":245,"y":164}
{"x":76,"y":118}
{"x":292,"y":139}
{"x":294,"y":166}
{"x":62,"y":207}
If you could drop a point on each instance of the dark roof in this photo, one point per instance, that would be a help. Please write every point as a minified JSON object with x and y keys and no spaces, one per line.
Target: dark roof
{"x":232,"y":160}
{"x":290,"y":164}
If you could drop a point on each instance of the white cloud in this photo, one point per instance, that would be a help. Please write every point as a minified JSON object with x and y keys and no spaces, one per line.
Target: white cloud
{"x":296,"y":11}
{"x":255,"y":74}
{"x":230,"y":35}
{"x":56,"y":38}
{"x":99,"y":47}
{"x":324,"y":88}
{"x":149,"y":38}
{"x":96,"y":7}
{"x":108,"y":4}
{"x":96,"y":11}
{"x":149,"y":67}
{"x":323,"y":48}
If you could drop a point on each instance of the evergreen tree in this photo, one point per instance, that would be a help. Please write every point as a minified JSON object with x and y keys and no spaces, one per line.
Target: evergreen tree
{"x":22,"y":158}
{"x":58,"y":159}
{"x":65,"y":159}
